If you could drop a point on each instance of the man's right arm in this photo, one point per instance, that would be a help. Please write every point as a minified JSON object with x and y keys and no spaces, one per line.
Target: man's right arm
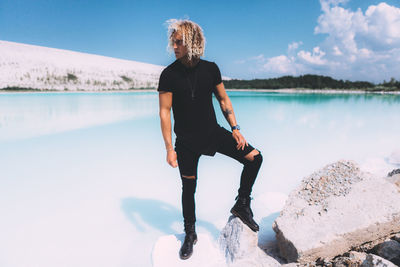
{"x":165,"y":101}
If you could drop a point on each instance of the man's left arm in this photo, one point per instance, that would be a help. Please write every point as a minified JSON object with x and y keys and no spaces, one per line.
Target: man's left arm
{"x":227,"y":109}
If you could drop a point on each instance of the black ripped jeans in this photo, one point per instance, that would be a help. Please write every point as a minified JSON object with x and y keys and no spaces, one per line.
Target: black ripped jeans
{"x":188,"y":162}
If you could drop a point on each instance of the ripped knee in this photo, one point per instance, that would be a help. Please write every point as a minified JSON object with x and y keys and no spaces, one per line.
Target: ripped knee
{"x":251,"y":155}
{"x":188,"y":176}
{"x":258,"y":158}
{"x":254,"y":157}
{"x":188,"y":185}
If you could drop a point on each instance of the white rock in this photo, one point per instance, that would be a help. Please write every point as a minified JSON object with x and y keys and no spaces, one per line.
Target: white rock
{"x":376,"y":165}
{"x":239,"y":245}
{"x":395,"y":179}
{"x":376,"y":261}
{"x":335,"y":209}
{"x":389,"y":250}
{"x":397,"y":237}
{"x":357,"y":256}
{"x":237,"y":241}
{"x":394,"y":158}
{"x":205,"y":252}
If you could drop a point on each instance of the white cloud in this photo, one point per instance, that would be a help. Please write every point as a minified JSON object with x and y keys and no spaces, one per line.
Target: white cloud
{"x":325,"y":4}
{"x":259,"y":58}
{"x":294,"y":46}
{"x":358,"y":46}
{"x":315,"y":58}
{"x":383,"y":25}
{"x":280,"y":64}
{"x":364,"y":53}
{"x":336,"y":51}
{"x":341,"y":25}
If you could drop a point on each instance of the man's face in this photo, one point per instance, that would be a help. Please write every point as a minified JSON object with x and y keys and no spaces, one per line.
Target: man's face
{"x":179,"y":49}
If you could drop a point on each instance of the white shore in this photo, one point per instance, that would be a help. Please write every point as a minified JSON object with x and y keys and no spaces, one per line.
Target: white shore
{"x":318,"y":91}
{"x":35,"y":91}
{"x":286,"y":90}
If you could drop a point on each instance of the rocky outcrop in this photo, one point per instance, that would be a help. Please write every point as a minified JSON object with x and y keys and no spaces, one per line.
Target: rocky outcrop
{"x":394,"y":172}
{"x":396,"y":237}
{"x":394,"y":179}
{"x":376,"y":261}
{"x":389,"y":250}
{"x":239,"y":246}
{"x":334,"y":210}
{"x":356,"y":259}
{"x":353,"y":259}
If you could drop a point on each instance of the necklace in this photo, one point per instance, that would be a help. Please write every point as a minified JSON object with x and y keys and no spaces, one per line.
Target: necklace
{"x":192,"y":87}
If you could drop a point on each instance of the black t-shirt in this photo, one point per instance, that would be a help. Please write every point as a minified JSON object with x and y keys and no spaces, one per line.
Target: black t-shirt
{"x":193,"y":110}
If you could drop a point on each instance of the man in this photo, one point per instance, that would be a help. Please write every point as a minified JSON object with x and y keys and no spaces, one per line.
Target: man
{"x":187,"y":85}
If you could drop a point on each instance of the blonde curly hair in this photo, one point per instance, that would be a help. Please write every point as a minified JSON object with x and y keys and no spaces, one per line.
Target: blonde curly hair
{"x":192,"y":35}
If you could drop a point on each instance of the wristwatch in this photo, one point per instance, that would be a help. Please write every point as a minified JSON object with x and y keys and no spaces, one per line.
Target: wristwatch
{"x":236,"y":127}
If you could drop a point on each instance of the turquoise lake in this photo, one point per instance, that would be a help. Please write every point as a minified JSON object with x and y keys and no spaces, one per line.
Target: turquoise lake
{"x":84,"y":179}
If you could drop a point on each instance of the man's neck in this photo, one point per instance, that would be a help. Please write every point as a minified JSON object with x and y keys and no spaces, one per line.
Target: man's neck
{"x":189,"y":63}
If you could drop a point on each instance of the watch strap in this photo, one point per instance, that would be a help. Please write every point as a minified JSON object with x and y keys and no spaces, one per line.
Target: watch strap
{"x":236,"y":127}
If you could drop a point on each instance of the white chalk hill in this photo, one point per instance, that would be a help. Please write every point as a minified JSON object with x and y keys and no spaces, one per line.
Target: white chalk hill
{"x":43,"y":68}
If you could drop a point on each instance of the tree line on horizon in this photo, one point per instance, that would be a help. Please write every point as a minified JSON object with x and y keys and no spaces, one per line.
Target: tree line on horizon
{"x":309,"y":81}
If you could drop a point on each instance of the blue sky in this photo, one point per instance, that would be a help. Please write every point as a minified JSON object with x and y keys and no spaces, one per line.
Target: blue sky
{"x":346,"y":39}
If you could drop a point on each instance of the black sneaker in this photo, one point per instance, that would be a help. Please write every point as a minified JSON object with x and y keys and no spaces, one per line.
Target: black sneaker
{"x":242,"y":210}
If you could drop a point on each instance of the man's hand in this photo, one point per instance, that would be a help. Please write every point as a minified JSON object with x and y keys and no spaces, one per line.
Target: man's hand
{"x":241,"y":142}
{"x":171,"y":158}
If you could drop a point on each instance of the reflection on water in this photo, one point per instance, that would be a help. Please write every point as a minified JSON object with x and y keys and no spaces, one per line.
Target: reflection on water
{"x":315,"y":98}
{"x":25,"y":115}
